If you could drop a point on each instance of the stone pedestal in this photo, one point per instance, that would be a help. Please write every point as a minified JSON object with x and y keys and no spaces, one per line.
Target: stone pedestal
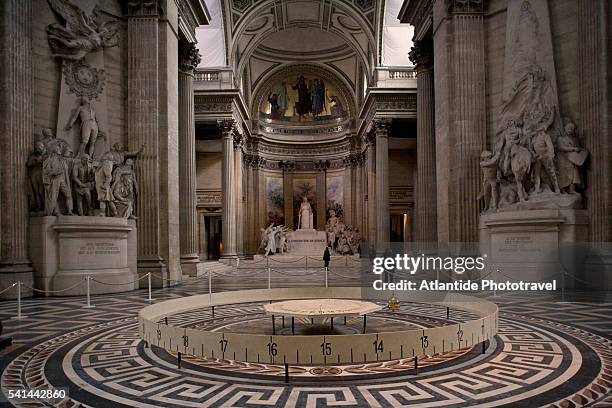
{"x":307,"y":242}
{"x":533,"y":245}
{"x":65,"y":250}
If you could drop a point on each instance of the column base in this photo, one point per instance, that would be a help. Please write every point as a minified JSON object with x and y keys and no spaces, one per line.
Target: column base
{"x":158,"y":271}
{"x":13,"y":272}
{"x":191,"y":265}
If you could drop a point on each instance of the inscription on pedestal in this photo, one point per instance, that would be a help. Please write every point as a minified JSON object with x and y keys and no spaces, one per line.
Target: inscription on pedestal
{"x":99,"y":248}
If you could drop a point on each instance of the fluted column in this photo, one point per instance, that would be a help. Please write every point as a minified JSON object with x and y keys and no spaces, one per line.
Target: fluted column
{"x":252,"y":219}
{"x":16,"y":129}
{"x":382,"y":128}
{"x":321,"y":167}
{"x":153,"y":123}
{"x":358,"y":196}
{"x":469,"y":118}
{"x":287,"y":167}
{"x":228,"y":184}
{"x":190,"y":260}
{"x":594,"y":103}
{"x":426,"y":198}
{"x":238,"y":158}
{"x":371,"y":180}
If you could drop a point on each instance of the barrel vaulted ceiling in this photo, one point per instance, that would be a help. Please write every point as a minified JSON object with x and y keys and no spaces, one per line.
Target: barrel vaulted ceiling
{"x":264,"y":36}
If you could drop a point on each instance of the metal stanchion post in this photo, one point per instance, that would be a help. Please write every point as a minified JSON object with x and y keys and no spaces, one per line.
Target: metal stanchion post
{"x":150,"y":299}
{"x":306,"y":263}
{"x":19,"y":315}
{"x":269,"y":279}
{"x":210,"y":286}
{"x":89,"y":305}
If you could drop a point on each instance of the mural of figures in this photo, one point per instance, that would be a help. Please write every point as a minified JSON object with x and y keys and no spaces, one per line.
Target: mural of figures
{"x":335,"y":194}
{"x":302,"y":99}
{"x":304,"y":187}
{"x":275,"y":200}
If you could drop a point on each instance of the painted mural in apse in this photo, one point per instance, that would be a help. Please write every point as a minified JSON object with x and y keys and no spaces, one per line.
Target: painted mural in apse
{"x":335,"y":194}
{"x":275,"y":200}
{"x":304,"y":186}
{"x":303,"y":99}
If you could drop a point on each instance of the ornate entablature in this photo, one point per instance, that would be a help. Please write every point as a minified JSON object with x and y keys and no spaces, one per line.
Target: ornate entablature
{"x":386,"y":103}
{"x":209,"y":198}
{"x":192,"y":13}
{"x":418,"y":13}
{"x":401,"y":195}
{"x":220,"y":105}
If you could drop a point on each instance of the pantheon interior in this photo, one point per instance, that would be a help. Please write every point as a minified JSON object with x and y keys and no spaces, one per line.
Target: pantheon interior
{"x":194,"y":196}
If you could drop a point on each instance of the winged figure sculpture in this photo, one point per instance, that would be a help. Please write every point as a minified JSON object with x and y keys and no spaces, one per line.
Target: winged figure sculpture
{"x":81,"y":35}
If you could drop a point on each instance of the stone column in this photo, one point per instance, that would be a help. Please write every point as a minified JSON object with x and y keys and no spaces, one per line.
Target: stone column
{"x":153,"y":123}
{"x":382,"y":127}
{"x":321,"y":167}
{"x":287,"y":168}
{"x":349,"y":204}
{"x":250,"y":204}
{"x":426,"y":197}
{"x":358,"y":196}
{"x":371,"y":180}
{"x":238,"y":159}
{"x":190,"y":260}
{"x":228,"y":192}
{"x":594,"y":103}
{"x":16,"y":129}
{"x":459,"y":77}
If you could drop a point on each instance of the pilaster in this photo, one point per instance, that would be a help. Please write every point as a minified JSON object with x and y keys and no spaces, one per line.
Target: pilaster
{"x":16,"y":130}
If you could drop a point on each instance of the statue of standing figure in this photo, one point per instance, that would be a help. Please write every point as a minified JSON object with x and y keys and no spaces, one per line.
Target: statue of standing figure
{"x":55,"y":181}
{"x":305,"y":219}
{"x":83,"y":177}
{"x":571,"y":156}
{"x":125,"y":190}
{"x":36,"y":191}
{"x":89,"y":126}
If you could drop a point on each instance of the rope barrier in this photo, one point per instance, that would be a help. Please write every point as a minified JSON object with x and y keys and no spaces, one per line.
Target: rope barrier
{"x":305,"y":273}
{"x":54,"y":291}
{"x":118,"y":284}
{"x":8,"y":287}
{"x":288,"y":262}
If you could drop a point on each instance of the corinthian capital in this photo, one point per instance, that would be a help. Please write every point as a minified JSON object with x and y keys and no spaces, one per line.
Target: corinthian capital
{"x":382,"y":126}
{"x":421,"y":55}
{"x":226,"y":126}
{"x":189,"y":57}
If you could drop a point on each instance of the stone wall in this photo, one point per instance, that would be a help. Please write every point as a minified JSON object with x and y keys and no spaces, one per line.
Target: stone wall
{"x":208,"y":170}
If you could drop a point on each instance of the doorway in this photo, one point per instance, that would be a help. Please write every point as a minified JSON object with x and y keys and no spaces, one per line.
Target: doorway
{"x":210,"y":237}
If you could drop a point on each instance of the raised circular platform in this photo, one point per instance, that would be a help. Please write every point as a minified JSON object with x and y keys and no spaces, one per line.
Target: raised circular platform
{"x":312,"y":308}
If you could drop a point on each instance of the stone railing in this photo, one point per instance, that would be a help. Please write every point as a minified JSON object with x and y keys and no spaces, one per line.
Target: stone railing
{"x":395,"y":77}
{"x":214,"y":79}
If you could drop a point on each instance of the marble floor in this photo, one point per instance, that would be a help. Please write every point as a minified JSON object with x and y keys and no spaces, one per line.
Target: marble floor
{"x":547,"y":353}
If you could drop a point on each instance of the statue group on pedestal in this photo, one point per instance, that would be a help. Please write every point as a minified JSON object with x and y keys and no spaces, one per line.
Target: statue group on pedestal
{"x":274,"y":240}
{"x":342,"y":239}
{"x":57,"y":180}
{"x":533,"y":160}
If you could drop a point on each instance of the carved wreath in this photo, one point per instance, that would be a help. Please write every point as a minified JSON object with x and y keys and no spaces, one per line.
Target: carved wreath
{"x":83,"y":79}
